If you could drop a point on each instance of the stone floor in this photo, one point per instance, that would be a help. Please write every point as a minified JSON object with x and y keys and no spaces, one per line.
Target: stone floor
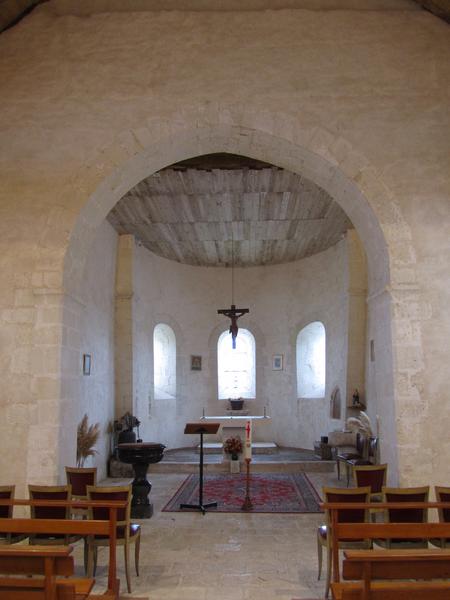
{"x":188,"y":556}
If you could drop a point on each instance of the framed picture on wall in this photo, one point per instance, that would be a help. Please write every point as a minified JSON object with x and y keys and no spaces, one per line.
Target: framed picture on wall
{"x":277,"y":362}
{"x":86,"y":364}
{"x":196,"y":363}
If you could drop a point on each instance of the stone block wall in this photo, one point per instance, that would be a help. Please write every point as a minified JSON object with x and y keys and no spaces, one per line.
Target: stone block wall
{"x":355,"y":100}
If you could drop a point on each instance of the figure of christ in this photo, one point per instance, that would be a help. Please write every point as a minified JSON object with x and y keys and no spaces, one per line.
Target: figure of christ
{"x":233,"y":313}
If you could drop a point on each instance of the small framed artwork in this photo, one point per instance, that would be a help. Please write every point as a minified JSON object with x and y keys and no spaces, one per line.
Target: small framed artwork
{"x":277,"y":362}
{"x":86,"y":364}
{"x":196,"y":363}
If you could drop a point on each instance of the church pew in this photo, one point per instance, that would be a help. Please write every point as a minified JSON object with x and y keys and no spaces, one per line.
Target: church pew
{"x":374,"y":531}
{"x":50,"y":563}
{"x":71,"y":527}
{"x":386,"y":575}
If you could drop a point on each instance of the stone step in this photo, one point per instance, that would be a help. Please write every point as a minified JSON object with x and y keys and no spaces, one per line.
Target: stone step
{"x":257,"y":448}
{"x":317,"y":466}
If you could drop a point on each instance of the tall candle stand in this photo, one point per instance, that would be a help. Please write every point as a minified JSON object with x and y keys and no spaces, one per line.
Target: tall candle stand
{"x":247,"y":505}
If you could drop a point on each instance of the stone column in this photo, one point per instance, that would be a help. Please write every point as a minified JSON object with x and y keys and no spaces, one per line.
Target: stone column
{"x":123,"y":322}
{"x":357,"y":321}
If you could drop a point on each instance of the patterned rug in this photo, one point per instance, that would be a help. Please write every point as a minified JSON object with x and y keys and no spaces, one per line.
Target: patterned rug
{"x":269,"y":493}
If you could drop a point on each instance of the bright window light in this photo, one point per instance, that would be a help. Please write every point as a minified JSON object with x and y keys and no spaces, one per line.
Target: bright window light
{"x":164,"y":362}
{"x":236,"y":367}
{"x":311,"y":361}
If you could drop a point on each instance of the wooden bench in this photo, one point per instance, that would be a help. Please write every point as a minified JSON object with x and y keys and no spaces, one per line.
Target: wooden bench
{"x":51,"y":563}
{"x":386,"y":575}
{"x":81,"y":587}
{"x":370,"y":567}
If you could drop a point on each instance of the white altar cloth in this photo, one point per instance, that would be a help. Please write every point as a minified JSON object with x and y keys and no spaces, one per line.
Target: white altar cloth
{"x":235,"y":420}
{"x":233,"y":425}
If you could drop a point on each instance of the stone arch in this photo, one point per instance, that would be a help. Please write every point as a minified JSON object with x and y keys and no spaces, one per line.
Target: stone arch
{"x":318,"y":154}
{"x":333,"y":165}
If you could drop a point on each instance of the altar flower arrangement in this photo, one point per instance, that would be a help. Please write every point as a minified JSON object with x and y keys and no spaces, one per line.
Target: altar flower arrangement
{"x":233,"y":446}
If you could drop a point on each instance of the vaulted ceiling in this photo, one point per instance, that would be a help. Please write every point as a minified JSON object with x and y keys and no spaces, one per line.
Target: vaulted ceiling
{"x":205,"y":210}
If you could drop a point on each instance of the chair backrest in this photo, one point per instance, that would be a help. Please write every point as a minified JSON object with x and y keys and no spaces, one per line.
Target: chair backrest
{"x":80,"y":478}
{"x":360,"y":444}
{"x":443,"y":495}
{"x":361,"y":494}
{"x":371,"y":475}
{"x":7,"y":493}
{"x":372,"y":449}
{"x":50,"y":492}
{"x":406,"y":515}
{"x":116,"y":492}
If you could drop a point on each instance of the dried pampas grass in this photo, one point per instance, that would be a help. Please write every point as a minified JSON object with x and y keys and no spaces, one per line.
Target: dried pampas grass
{"x":361,"y":424}
{"x":87,"y":437}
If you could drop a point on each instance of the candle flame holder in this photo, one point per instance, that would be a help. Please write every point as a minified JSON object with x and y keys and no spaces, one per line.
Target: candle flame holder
{"x":247,"y":505}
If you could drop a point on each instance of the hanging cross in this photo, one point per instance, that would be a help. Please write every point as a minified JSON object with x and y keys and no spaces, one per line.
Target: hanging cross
{"x":233,"y":313}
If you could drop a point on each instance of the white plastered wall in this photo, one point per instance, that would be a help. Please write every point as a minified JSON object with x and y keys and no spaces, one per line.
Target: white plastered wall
{"x":280,"y":298}
{"x":356,"y":101}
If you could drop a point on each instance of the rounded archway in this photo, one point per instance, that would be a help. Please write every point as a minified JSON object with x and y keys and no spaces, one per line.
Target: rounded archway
{"x":334,"y":166}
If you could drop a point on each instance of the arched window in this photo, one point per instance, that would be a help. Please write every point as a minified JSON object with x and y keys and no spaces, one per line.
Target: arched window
{"x":164,"y":362}
{"x":311,"y":361}
{"x":236,"y":366}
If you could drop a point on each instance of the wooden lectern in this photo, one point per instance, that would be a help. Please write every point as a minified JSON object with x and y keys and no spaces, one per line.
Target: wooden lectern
{"x":200,"y":429}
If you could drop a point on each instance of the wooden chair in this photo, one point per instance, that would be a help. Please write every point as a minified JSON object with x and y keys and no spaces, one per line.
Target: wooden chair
{"x":49,"y":492}
{"x":442,"y":495}
{"x":373,"y":476}
{"x":370,"y":457}
{"x":357,"y":452}
{"x":127,"y":532}
{"x":6,"y":512}
{"x":79,"y":478}
{"x":361,"y":494}
{"x":405,"y":515}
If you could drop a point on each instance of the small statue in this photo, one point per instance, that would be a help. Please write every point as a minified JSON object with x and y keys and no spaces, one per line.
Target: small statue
{"x":355,"y":397}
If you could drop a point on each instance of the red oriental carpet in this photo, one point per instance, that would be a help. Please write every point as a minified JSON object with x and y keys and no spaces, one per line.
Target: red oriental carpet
{"x":269,"y":493}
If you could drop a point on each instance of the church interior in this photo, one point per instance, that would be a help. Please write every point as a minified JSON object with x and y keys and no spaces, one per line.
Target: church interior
{"x":225,"y":257}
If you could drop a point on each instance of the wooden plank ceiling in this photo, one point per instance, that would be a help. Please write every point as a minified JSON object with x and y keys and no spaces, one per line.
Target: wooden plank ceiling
{"x":202,"y":210}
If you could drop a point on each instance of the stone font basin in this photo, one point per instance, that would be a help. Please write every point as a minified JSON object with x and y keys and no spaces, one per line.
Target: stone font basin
{"x":141,"y":452}
{"x":140,"y":455}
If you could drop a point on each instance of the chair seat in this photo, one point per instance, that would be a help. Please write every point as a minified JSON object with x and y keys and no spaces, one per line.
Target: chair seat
{"x":348,"y":456}
{"x":135,"y":528}
{"x":402,"y":543}
{"x":440,"y":542}
{"x":60,"y":538}
{"x":13,"y":539}
{"x":359,"y":462}
{"x":376,"y":497}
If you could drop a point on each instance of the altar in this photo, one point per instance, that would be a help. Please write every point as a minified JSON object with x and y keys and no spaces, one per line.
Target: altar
{"x":233,"y":425}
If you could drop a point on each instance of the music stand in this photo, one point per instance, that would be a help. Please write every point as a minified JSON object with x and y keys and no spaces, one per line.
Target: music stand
{"x":200,"y":429}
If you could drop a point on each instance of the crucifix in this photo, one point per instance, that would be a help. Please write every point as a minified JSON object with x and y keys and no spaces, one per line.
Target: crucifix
{"x":233,"y":313}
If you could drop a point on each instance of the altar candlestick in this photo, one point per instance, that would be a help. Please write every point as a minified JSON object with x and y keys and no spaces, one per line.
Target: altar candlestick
{"x":248,"y":441}
{"x":265,"y":412}
{"x":247,"y":504}
{"x":203,"y":413}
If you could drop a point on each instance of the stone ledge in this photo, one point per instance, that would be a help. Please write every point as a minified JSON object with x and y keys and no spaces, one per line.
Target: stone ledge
{"x":257,"y":448}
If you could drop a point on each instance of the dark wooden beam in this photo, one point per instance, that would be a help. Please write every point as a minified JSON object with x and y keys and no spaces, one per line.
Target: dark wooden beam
{"x":440,"y":8}
{"x":13,"y":11}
